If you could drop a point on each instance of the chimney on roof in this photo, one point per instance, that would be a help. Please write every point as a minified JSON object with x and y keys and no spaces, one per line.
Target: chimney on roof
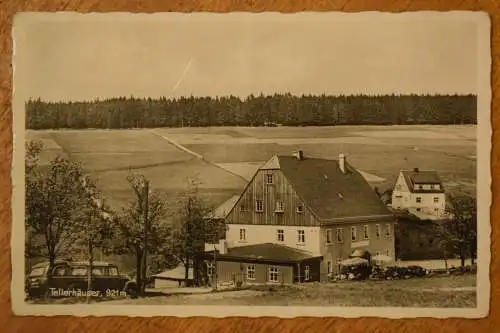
{"x":342,"y":162}
{"x":416,"y":170}
{"x":299,"y":154}
{"x":222,"y":246}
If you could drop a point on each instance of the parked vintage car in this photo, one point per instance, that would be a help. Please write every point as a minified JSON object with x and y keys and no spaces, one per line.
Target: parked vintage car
{"x":70,"y":278}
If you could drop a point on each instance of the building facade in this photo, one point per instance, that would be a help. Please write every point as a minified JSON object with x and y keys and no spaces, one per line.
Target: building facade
{"x":265,"y":263}
{"x":421,"y":192}
{"x":323,"y":207}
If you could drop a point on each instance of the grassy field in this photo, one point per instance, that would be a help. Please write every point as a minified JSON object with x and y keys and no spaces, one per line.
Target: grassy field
{"x":378,"y":150}
{"x":232,"y":154}
{"x":110,"y":156}
{"x":440,"y":292}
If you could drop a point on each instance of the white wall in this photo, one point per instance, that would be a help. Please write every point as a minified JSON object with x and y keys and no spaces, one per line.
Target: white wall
{"x":256,"y":234}
{"x":402,"y":198}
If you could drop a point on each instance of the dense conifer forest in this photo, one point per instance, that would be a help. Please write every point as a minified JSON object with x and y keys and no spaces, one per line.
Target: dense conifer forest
{"x":270,"y":110}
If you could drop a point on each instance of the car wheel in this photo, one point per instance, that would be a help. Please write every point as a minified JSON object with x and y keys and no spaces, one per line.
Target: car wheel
{"x":131,"y":291}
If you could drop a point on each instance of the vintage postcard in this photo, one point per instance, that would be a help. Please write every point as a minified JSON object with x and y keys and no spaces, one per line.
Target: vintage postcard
{"x":310,"y":164}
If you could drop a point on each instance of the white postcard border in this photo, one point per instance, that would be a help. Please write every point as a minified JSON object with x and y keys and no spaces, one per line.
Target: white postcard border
{"x":484,"y":136}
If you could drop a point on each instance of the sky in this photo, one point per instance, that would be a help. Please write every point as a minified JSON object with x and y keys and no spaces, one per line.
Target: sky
{"x":83,"y":57}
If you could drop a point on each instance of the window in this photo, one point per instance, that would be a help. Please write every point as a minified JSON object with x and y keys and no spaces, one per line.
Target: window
{"x":280,"y":207}
{"x":420,"y":187}
{"x":259,"y":206}
{"x":307,"y":273}
{"x":251,"y":272}
{"x":300,"y":209}
{"x":340,"y":235}
{"x":377,"y":230}
{"x":432,"y":187}
{"x":436,"y":209}
{"x":37,"y":271}
{"x":269,"y":179}
{"x":59,"y":271}
{"x":280,"y":235}
{"x":113,"y":271}
{"x":366,"y":232}
{"x":339,"y":260}
{"x":329,"y":267}
{"x":301,"y":236}
{"x":329,"y":236}
{"x":79,"y":271}
{"x":388,"y":230}
{"x":353,"y":234}
{"x":97,"y":271}
{"x":377,"y":253}
{"x":210,"y":269}
{"x":273,"y":274}
{"x":419,"y":209}
{"x":387,"y":253}
{"x":436,"y":199}
{"x":419,"y":199}
{"x":243,"y":234}
{"x":243,"y":208}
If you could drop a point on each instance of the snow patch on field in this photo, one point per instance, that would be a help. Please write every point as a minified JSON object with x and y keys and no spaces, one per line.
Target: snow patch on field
{"x":245,"y":170}
{"x":371,"y":178}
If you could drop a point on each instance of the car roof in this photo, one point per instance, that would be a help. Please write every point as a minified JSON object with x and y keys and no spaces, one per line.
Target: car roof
{"x":74,"y":263}
{"x":94,"y":263}
{"x":46,"y":263}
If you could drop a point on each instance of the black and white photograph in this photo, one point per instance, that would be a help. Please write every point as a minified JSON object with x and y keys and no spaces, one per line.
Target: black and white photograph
{"x":239,"y":164}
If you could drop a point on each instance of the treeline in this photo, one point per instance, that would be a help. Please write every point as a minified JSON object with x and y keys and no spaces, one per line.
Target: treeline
{"x":271,"y":110}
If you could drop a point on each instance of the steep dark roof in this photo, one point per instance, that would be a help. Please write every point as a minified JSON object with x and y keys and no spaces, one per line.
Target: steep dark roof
{"x":329,"y":192}
{"x":267,"y":252}
{"x":415,"y":177}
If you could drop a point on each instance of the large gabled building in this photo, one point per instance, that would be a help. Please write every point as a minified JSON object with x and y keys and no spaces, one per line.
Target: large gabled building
{"x":323,"y":208}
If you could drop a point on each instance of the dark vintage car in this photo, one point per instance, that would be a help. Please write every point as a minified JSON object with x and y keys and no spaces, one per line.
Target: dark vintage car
{"x":71,"y":279}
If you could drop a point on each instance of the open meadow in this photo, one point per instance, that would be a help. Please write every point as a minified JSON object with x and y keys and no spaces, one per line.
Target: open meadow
{"x":223,"y":159}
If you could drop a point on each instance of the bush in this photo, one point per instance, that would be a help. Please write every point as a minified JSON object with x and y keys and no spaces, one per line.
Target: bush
{"x":394,"y":272}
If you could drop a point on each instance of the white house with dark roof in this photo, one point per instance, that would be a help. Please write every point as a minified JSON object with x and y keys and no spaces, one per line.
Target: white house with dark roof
{"x":324,"y":208}
{"x":421,"y":192}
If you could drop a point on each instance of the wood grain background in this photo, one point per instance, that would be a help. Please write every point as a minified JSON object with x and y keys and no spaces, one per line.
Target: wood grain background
{"x":10,"y":323}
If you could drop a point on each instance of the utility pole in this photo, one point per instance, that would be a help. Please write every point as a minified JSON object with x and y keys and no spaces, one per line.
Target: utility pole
{"x":146,"y":234}
{"x":214,"y":268}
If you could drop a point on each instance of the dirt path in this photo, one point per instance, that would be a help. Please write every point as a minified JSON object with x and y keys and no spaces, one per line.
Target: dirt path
{"x":195,"y":154}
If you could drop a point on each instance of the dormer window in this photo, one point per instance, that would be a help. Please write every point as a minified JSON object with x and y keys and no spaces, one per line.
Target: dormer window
{"x":280,"y":206}
{"x":259,"y":206}
{"x":269,"y":179}
{"x":300,"y":209}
